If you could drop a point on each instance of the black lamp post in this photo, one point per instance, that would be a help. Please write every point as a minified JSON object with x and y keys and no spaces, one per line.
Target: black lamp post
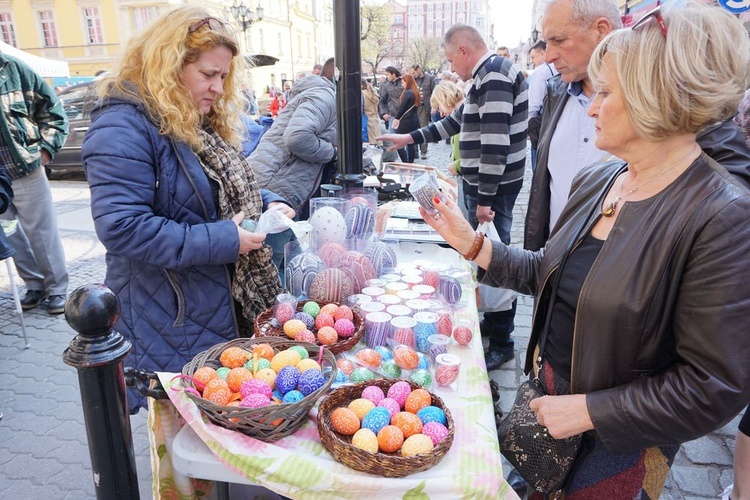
{"x":534,"y":35}
{"x":245,"y":16}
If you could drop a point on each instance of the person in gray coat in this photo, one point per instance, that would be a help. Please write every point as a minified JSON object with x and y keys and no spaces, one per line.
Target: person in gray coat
{"x":390,"y":92}
{"x":292,"y":156}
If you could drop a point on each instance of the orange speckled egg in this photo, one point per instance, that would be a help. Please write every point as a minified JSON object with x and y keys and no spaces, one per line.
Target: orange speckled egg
{"x":416,"y":444}
{"x":369,"y":357}
{"x":293,"y":327}
{"x":308,"y":364}
{"x":406,"y":357}
{"x":233,"y":357}
{"x":285,"y":358}
{"x":217,"y":391}
{"x":343,"y":312}
{"x":236,"y":376}
{"x":366,"y":440}
{"x":268,"y":376}
{"x":202,"y":375}
{"x":361,"y":407}
{"x":409,"y":423}
{"x":329,"y":309}
{"x":345,"y":421}
{"x":264,"y":351}
{"x":324,"y":319}
{"x":417,"y":400}
{"x":345,"y":365}
{"x":327,"y":335}
{"x":390,"y":438}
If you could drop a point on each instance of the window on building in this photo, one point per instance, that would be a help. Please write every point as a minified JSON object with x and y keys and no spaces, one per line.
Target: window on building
{"x":309,"y":46}
{"x":7,"y":29}
{"x":299,"y":44}
{"x":142,"y":17}
{"x":262,"y":41}
{"x":49,"y":29}
{"x":478,"y":23}
{"x":93,"y":23}
{"x":280,"y":43}
{"x":429,"y":8}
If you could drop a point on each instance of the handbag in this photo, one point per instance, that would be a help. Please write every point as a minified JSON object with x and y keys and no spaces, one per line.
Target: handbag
{"x":397,"y":121}
{"x":543,"y":461}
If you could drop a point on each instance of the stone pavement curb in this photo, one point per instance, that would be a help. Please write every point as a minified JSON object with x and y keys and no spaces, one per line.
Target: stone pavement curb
{"x":43,"y":444}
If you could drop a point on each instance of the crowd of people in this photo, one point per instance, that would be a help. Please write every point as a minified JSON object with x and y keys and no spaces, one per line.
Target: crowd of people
{"x":634,"y":238}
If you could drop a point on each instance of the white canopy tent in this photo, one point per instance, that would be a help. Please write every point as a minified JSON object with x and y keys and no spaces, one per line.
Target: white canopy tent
{"x":47,"y":68}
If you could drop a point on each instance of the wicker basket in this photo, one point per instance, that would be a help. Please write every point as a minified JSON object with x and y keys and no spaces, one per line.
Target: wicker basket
{"x":265,"y":327}
{"x":269,"y":423}
{"x":379,"y":464}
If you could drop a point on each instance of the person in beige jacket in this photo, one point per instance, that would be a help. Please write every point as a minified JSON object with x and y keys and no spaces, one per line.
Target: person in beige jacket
{"x":370,"y":99}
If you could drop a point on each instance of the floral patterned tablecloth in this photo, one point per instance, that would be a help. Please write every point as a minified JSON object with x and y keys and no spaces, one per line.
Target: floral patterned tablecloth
{"x":298,"y":466}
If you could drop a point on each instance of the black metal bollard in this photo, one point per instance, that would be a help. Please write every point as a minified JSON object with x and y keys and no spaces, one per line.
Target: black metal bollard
{"x":97,"y":352}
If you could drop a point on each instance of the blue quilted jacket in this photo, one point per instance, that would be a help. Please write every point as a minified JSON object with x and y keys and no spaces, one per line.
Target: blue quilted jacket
{"x":167,"y":252}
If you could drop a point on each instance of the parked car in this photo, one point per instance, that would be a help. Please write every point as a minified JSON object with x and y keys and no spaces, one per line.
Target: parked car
{"x":78,"y":100}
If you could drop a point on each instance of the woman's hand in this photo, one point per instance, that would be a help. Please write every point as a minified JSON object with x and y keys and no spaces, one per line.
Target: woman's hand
{"x":563,"y":416}
{"x":451,"y":225}
{"x":248,"y":241}
{"x":398,"y":141}
{"x":283,"y":208}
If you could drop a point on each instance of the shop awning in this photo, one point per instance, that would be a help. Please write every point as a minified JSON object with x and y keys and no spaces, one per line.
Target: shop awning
{"x":47,"y":68}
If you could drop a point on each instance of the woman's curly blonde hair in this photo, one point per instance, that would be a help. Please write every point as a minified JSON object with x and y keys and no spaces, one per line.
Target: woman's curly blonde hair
{"x":153,"y":62}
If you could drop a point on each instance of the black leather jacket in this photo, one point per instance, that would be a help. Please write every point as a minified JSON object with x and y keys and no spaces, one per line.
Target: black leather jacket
{"x":724,"y":142}
{"x":660,"y":344}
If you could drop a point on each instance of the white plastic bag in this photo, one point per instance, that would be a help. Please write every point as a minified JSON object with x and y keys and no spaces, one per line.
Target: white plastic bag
{"x":273,"y":221}
{"x":491,"y":298}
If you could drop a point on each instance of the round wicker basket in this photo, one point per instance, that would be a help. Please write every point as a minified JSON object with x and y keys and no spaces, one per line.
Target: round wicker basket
{"x":268,"y":423}
{"x":379,"y":464}
{"x":265,"y":326}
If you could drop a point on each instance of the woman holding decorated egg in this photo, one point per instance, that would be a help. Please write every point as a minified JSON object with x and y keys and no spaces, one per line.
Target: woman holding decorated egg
{"x":169,"y":189}
{"x":639,"y":335}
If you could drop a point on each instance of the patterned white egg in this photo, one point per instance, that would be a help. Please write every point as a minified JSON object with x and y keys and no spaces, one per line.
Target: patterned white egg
{"x":382,"y":256}
{"x":328,"y":226}
{"x":360,"y":221}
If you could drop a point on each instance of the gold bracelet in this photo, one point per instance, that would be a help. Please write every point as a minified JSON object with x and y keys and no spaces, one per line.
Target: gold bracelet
{"x":476,"y":247}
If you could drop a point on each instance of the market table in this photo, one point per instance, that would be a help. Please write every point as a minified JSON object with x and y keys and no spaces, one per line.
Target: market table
{"x":298,"y":466}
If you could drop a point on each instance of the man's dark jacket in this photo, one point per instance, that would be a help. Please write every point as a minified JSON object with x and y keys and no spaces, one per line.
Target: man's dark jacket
{"x":724,"y":142}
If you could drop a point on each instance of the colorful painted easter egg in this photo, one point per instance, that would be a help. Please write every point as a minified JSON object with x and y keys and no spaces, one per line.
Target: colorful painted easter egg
{"x":293,"y":397}
{"x":359,"y":267}
{"x":343,"y":312}
{"x":300,"y":272}
{"x":424,"y":362}
{"x":329,"y":308}
{"x":308,"y":364}
{"x":391,"y":405}
{"x":390,"y":369}
{"x":293,"y":327}
{"x":203,"y":374}
{"x":421,"y":377}
{"x":300,"y":350}
{"x":331,"y":254}
{"x":409,"y":423}
{"x":385,"y":353}
{"x":310,"y":381}
{"x":224,"y":371}
{"x":399,"y":391}
{"x":417,"y":400}
{"x":341,"y":377}
{"x":376,"y":419}
{"x":445,"y":322}
{"x":432,"y":414}
{"x":217,"y":391}
{"x":344,"y":327}
{"x":233,"y":357}
{"x":308,"y":320}
{"x":253,"y":386}
{"x":286,"y":379}
{"x":366,"y":440}
{"x":331,"y":285}
{"x":264,"y":351}
{"x":236,"y":376}
{"x":345,"y":365}
{"x":311,"y":307}
{"x":360,"y":221}
{"x":362,"y":374}
{"x":268,"y":376}
{"x":463,"y":335}
{"x":450,"y":289}
{"x":261,"y":362}
{"x":435,"y":431}
{"x":405,"y":357}
{"x":283,"y":312}
{"x":324,"y":319}
{"x":431,"y":278}
{"x":285,"y":358}
{"x":382,"y":256}
{"x":345,"y":421}
{"x":361,"y":407}
{"x":328,"y":226}
{"x":390,"y":438}
{"x":373,"y":393}
{"x":327,"y":335}
{"x":416,"y":445}
{"x":305,"y":336}
{"x":255,"y":401}
{"x":403,"y":331}
{"x":369,"y":358}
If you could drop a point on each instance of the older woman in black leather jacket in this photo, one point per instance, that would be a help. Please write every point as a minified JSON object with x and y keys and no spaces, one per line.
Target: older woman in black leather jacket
{"x":641,"y":289}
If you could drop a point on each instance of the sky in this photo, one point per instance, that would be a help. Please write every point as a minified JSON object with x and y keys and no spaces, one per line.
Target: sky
{"x":512,"y":20}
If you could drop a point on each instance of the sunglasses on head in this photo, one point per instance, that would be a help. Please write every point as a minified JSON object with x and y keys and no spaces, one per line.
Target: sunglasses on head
{"x":656,"y":16}
{"x":213,"y":24}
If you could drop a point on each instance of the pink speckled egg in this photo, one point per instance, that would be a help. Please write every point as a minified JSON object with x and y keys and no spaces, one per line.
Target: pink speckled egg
{"x":463,"y":335}
{"x":343,"y":312}
{"x":305,"y":336}
{"x":369,"y":358}
{"x":435,"y":431}
{"x":324,"y":319}
{"x":254,"y":386}
{"x":345,"y":365}
{"x":331,"y":254}
{"x":283,"y":312}
{"x":255,"y":401}
{"x":391,"y":405}
{"x":331,"y":285}
{"x":399,"y":391}
{"x":373,"y":393}
{"x":344,"y":327}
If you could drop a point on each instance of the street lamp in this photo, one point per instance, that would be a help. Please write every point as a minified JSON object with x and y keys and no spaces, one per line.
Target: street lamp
{"x":534,"y":35}
{"x":246,"y":17}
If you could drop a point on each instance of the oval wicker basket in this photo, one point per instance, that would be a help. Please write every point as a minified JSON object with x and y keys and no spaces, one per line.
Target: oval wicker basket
{"x":265,"y":327}
{"x":379,"y":464}
{"x":268,"y":423}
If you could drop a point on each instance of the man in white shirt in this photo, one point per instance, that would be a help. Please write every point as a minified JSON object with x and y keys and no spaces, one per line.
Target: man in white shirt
{"x":543,"y":71}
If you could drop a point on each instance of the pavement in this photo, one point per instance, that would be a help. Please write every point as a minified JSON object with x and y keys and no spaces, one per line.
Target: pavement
{"x":43,"y":443}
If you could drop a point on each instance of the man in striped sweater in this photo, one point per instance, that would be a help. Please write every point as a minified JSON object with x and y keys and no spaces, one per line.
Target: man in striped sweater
{"x":492,"y":123}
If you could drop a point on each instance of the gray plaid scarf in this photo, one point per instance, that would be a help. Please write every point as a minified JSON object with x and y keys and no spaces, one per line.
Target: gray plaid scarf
{"x":256,"y":280}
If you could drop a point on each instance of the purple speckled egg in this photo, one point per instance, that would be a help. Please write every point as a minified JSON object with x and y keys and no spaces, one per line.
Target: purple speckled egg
{"x":286,"y":379}
{"x":399,"y":391}
{"x":283,"y":312}
{"x":374,"y":394}
{"x":450,"y":289}
{"x":382,"y":256}
{"x":390,"y":404}
{"x":254,"y":386}
{"x":307,"y":319}
{"x":435,"y":431}
{"x":310,"y":381}
{"x":331,"y":285}
{"x":376,"y":419}
{"x":300,"y":272}
{"x":344,"y":327}
{"x":255,"y":401}
{"x":360,"y":221}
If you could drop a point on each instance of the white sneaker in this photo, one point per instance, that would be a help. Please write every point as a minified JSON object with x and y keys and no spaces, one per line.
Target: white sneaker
{"x":727,"y":491}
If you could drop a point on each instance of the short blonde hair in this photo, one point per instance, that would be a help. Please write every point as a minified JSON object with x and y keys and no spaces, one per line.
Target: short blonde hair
{"x":694,"y":76}
{"x":153,"y":62}
{"x":446,"y":96}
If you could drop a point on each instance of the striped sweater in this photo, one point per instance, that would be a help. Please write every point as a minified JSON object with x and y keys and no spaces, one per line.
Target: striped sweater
{"x":492,"y":122}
